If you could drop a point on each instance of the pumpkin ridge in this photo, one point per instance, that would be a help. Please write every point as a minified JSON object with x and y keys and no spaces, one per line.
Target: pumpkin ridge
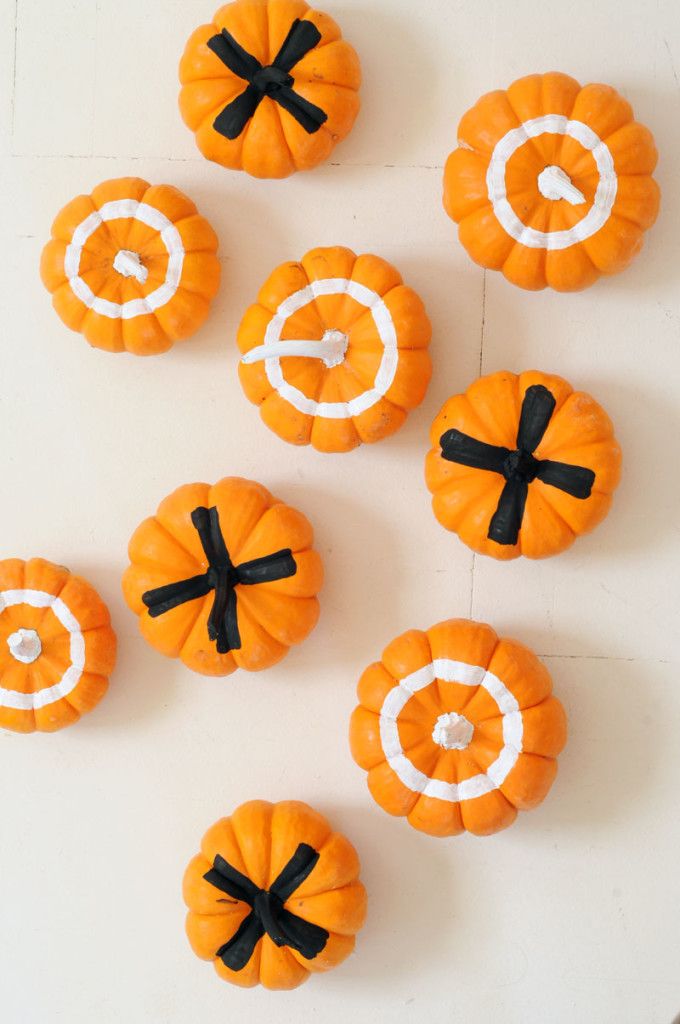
{"x":545,"y":490}
{"x":416,"y":789}
{"x":354,"y":375}
{"x":368,"y":314}
{"x":553,"y":454}
{"x":473,"y":499}
{"x":284,"y":138}
{"x":615,"y":215}
{"x":516,"y":254}
{"x":264,"y":831}
{"x":355,"y":321}
{"x":334,"y":888}
{"x":546,"y":450}
{"x":65,"y":235}
{"x":159,"y":524}
{"x":460,"y":776}
{"x":545,"y":100}
{"x":520,"y":123}
{"x":238,"y":548}
{"x":200,"y":606}
{"x":489,"y":428}
{"x":250,"y":603}
{"x":314,"y":392}
{"x":349,"y":887}
{"x":348,"y":377}
{"x":57,"y":594}
{"x":188,"y":291}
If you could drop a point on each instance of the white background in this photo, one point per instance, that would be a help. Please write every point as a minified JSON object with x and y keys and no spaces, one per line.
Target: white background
{"x":570,"y":916}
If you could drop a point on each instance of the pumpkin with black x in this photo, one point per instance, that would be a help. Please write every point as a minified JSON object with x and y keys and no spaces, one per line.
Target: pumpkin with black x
{"x":224,"y":577}
{"x":269,"y":87}
{"x":522,"y":465}
{"x":273,"y":896}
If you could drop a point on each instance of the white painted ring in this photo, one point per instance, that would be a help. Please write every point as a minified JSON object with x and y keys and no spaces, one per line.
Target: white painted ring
{"x":71,"y":677}
{"x":386,"y":331}
{"x":605,"y":194}
{"x":116,"y":210}
{"x":467,"y":675}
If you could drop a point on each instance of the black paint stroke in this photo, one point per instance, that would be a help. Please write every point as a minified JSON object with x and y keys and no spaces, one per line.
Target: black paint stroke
{"x":268,"y":914}
{"x":223,"y":577}
{"x":274,"y":80}
{"x":520,"y":468}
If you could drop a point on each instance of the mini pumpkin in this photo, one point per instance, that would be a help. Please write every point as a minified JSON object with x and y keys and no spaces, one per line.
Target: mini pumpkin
{"x":552,"y":182}
{"x":57,"y":647}
{"x":457,"y":729}
{"x":335,"y":350}
{"x":269,"y":87}
{"x":273,"y":896}
{"x":522,"y":465}
{"x":224,"y":577}
{"x":132,"y":266}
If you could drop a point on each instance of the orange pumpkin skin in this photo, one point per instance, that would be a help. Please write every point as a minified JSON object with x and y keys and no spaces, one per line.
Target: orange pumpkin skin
{"x":579,"y":433}
{"x":57,"y":647}
{"x":374,"y":332}
{"x":272,"y":143}
{"x":258,"y":840}
{"x":524,"y":197}
{"x":271,"y":616}
{"x":457,"y":729}
{"x":132,"y":266}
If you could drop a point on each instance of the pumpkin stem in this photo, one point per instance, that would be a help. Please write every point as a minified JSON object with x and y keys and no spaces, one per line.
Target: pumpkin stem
{"x":129,"y":264}
{"x":25,"y":646}
{"x":554,"y":183}
{"x":330,"y":349}
{"x":452,"y":731}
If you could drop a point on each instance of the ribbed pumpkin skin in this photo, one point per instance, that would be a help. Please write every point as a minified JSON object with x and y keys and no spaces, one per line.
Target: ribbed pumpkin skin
{"x":504,"y":665}
{"x":271,"y":616}
{"x":190,"y":288}
{"x":258,"y":840}
{"x":51,"y":594}
{"x":596,"y":109}
{"x":358,"y":371}
{"x":580,"y":432}
{"x":273,"y":144}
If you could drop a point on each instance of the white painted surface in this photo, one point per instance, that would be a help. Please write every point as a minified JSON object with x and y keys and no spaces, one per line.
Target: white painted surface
{"x":570,"y":917}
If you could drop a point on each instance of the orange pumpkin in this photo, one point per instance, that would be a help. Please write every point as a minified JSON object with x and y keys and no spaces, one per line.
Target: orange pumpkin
{"x":552,"y":183}
{"x":522,"y":465}
{"x":457,"y":729}
{"x":133,"y":266}
{"x":269,"y":87}
{"x":335,"y":350}
{"x":224,"y":577}
{"x":57,"y":648}
{"x":273,"y":896}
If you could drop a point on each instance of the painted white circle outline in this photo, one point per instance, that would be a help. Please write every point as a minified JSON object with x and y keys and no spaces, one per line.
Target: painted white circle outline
{"x":386,"y":331}
{"x":605,"y":194}
{"x":71,"y":677}
{"x":467,"y":675}
{"x":172,"y":240}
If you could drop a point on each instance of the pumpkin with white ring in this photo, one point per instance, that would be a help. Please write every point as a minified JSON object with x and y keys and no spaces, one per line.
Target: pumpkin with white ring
{"x":57,"y":647}
{"x":335,"y":350}
{"x":133,"y":266}
{"x":457,"y":729}
{"x":552,"y":182}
